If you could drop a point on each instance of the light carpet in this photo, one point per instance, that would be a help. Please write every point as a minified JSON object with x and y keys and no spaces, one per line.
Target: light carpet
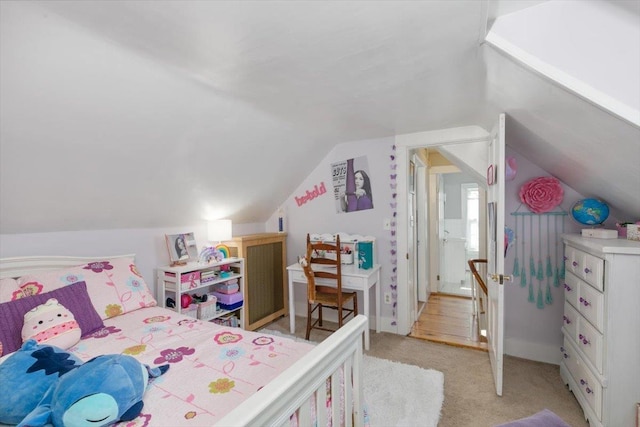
{"x":397,"y":394}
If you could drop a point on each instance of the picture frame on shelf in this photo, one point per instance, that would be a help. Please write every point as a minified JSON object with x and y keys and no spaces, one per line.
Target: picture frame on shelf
{"x":182,"y":248}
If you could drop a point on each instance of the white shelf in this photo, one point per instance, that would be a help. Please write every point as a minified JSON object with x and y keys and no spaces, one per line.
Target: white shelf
{"x":169,"y":278}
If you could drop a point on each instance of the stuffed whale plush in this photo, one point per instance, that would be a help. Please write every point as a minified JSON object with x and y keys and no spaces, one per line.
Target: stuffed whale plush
{"x":98,"y":393}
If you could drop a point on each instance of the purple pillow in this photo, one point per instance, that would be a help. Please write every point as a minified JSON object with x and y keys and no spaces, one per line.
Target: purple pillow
{"x":74,"y":297}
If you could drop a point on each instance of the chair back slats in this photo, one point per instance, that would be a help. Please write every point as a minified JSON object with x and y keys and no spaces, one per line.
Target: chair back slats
{"x":323,"y":261}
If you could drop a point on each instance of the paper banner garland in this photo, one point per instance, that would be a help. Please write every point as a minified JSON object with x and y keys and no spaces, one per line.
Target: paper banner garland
{"x":393,"y":254}
{"x":542,"y":194}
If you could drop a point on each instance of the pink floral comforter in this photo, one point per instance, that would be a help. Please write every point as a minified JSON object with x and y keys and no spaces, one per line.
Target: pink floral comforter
{"x":213,"y":368}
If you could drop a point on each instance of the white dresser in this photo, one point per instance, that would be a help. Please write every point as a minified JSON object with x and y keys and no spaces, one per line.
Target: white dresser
{"x":601,"y":327}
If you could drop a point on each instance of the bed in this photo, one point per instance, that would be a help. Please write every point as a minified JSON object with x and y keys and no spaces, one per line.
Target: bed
{"x":218,"y":375}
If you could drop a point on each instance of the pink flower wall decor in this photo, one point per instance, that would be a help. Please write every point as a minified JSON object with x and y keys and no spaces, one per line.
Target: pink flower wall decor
{"x":542,"y":194}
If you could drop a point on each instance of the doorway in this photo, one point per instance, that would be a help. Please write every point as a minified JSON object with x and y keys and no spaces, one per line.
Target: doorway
{"x":458,"y":231}
{"x":453,"y":227}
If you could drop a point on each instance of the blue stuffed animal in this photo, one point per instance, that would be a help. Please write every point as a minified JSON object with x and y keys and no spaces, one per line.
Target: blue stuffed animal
{"x":27,"y":374}
{"x":100,"y":392}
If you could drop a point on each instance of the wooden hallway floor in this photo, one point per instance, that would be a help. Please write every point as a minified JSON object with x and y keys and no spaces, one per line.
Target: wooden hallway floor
{"x":449,"y":319}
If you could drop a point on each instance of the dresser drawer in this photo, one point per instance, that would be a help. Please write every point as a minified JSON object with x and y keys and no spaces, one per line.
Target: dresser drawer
{"x":591,"y":342}
{"x":590,"y":388}
{"x":586,"y":266}
{"x":570,"y":357}
{"x":570,"y":321}
{"x":571,"y":285}
{"x":591,"y":305}
{"x":593,"y":271}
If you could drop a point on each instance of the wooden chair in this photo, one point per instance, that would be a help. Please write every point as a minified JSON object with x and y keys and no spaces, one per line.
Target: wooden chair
{"x":321,"y":296}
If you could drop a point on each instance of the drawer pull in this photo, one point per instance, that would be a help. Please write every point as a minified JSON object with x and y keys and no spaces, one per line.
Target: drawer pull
{"x":565,"y":258}
{"x":587,"y":270}
{"x":587,"y":389}
{"x":585,"y":302}
{"x":584,"y":339}
{"x":566,"y":320}
{"x":574,"y":263}
{"x":567,"y":287}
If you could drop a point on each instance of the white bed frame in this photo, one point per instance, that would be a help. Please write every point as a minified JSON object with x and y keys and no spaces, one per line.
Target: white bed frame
{"x":292,"y":392}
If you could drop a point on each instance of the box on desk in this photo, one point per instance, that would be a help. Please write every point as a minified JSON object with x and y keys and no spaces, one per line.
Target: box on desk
{"x":365,"y":255}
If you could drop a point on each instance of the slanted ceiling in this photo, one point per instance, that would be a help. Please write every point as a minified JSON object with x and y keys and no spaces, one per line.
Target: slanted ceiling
{"x":135,"y":114}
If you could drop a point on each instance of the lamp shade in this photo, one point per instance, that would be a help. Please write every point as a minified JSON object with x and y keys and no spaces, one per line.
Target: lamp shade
{"x":219,"y":230}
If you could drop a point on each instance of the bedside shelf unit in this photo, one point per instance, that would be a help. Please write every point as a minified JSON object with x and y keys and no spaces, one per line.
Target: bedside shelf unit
{"x":601,"y":326}
{"x":170,"y":284}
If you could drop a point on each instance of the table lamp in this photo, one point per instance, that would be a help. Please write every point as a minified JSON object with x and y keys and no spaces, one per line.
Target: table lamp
{"x":219,"y":230}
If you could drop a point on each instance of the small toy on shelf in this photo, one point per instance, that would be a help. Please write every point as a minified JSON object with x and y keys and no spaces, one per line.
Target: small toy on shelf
{"x":210,"y":254}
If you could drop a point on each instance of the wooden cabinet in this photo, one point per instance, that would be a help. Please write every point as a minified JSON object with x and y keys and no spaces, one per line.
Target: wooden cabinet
{"x":194,"y":278}
{"x":265,"y":257}
{"x":601,"y":328}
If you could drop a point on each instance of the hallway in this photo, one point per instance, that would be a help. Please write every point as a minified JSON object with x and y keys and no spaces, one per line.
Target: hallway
{"x":449,"y":319}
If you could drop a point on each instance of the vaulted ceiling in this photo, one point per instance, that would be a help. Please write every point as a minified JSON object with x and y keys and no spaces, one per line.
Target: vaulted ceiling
{"x":139,"y":114}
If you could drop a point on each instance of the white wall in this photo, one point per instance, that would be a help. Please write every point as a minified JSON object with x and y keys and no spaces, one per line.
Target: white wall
{"x":319,"y":214}
{"x":148,"y":244}
{"x":530,"y":332}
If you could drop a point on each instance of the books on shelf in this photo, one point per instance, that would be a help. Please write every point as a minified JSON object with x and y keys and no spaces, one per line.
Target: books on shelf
{"x":227,"y":320}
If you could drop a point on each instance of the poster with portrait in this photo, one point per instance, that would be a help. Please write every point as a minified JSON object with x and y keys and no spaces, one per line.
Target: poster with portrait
{"x":182,"y":248}
{"x":352,"y":185}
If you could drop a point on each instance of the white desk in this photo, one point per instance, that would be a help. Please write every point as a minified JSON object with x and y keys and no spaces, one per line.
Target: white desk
{"x":353,"y":278}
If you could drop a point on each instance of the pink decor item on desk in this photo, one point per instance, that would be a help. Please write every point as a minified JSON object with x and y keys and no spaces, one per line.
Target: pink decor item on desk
{"x":542,"y":194}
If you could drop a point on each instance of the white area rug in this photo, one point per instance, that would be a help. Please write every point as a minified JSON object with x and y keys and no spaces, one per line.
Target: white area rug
{"x":398,"y":394}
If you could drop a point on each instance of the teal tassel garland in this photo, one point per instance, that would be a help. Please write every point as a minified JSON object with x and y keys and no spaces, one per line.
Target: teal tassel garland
{"x":548,"y":298}
{"x":540,"y":275}
{"x":540,"y":302}
{"x":532,"y":267}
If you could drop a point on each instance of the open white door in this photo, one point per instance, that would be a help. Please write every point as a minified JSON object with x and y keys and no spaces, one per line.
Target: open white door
{"x":495,"y":250}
